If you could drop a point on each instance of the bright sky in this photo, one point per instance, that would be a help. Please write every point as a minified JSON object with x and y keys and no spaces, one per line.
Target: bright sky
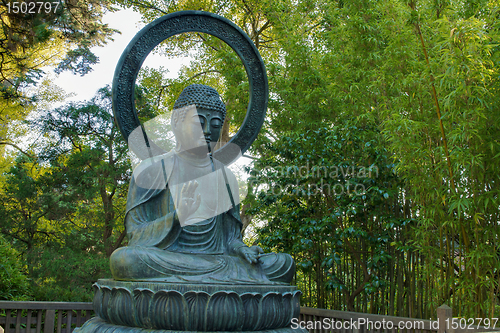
{"x":128,"y":22}
{"x":84,"y":87}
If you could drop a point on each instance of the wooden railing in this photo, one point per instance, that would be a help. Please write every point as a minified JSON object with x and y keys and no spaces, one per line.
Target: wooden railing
{"x":64,"y":317}
{"x":46,"y":317}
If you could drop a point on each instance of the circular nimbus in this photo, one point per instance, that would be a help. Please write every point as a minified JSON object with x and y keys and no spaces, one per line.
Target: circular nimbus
{"x":173,"y":24}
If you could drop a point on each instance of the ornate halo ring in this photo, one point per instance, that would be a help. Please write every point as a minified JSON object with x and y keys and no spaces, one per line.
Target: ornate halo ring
{"x":173,"y":24}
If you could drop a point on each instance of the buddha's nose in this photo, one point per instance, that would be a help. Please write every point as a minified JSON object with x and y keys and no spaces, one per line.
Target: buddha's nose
{"x":207,"y":131}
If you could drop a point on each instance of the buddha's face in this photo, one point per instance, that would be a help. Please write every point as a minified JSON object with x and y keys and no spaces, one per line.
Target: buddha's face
{"x":199,"y":131}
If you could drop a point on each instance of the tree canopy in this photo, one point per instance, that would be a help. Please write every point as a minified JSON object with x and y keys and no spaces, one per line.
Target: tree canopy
{"x":376,"y":166}
{"x":408,"y":87}
{"x":56,"y":34}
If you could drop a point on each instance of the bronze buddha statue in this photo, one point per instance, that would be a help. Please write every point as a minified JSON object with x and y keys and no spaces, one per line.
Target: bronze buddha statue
{"x":182,"y":218}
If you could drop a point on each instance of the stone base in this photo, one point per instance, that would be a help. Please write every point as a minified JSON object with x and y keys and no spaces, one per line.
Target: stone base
{"x":97,"y":325}
{"x":179,"y":307}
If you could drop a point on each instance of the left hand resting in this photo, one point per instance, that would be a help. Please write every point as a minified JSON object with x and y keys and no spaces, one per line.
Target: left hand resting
{"x":250,"y":254}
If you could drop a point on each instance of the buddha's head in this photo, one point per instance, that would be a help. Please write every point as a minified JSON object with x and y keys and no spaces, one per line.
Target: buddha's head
{"x":197,"y":119}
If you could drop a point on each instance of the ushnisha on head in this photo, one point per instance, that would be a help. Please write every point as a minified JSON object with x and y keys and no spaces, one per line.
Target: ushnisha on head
{"x":197,"y":118}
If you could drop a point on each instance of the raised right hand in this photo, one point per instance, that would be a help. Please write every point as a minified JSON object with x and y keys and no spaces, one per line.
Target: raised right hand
{"x":188,"y":204}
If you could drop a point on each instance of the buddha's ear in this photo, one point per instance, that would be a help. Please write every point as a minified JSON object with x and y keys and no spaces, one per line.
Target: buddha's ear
{"x":174,"y":118}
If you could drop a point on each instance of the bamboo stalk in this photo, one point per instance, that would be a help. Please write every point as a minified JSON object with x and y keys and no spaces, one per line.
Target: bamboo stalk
{"x":412,"y":5}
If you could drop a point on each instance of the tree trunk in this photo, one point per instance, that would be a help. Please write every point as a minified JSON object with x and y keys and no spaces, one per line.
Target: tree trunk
{"x":246,"y":219}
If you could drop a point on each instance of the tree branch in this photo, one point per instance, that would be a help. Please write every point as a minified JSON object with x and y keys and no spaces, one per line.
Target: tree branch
{"x":196,"y":75}
{"x":17,"y":147}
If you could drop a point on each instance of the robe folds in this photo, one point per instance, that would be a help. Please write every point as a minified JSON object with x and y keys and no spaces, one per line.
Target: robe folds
{"x":202,"y":249}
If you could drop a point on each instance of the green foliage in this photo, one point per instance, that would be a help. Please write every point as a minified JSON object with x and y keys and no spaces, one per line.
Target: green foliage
{"x":89,"y":161}
{"x":337,"y":190}
{"x":396,"y":100}
{"x":25,"y":37}
{"x":27,"y":198}
{"x":66,"y":274}
{"x":14,"y":284}
{"x":412,"y":87}
{"x":64,"y":211}
{"x":54,"y":35}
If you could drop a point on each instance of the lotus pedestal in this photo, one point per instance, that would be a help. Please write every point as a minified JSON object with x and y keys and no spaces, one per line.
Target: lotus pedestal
{"x":137,"y":307}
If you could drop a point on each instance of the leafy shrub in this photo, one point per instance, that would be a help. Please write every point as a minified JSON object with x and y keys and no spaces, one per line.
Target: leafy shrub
{"x":14,"y":284}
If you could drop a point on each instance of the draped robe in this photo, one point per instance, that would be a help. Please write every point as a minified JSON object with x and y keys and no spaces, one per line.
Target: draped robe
{"x":202,"y":249}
